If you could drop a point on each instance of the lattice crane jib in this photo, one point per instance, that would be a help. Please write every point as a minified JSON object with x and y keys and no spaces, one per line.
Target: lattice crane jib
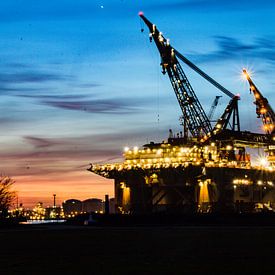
{"x":263,"y":109}
{"x":213,"y":107}
{"x":267,"y":115}
{"x":231,"y":112}
{"x":193,"y":113}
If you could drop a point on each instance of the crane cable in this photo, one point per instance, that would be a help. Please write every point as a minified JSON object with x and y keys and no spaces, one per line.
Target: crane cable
{"x":158,"y":72}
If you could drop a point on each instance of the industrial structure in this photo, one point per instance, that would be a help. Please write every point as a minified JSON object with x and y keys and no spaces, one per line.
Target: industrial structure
{"x":206,"y":167}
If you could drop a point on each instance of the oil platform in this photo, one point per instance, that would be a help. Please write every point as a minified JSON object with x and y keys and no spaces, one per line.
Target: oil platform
{"x":204,"y":168}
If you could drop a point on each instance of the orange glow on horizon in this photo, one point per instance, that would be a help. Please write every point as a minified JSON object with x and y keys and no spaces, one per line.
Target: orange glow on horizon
{"x":77,"y":185}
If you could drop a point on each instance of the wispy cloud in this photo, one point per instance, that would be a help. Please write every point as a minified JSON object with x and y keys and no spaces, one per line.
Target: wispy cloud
{"x":54,"y":155}
{"x":32,"y":77}
{"x":54,"y":96}
{"x":23,"y":78}
{"x":107,"y":106}
{"x":41,"y":142}
{"x":13,"y":90}
{"x":16,"y":65}
{"x":87,"y":85}
{"x":26,"y":80}
{"x":230,"y":48}
{"x":8,"y":120}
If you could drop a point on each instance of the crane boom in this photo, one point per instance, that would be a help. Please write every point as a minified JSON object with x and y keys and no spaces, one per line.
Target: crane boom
{"x":203,"y":74}
{"x":193,"y":113}
{"x":152,"y":29}
{"x":224,"y":121}
{"x":213,"y":106}
{"x":266,"y":113}
{"x":263,"y":109}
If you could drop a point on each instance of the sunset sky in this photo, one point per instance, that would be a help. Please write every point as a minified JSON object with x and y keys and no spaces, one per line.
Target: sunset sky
{"x":79,"y":81}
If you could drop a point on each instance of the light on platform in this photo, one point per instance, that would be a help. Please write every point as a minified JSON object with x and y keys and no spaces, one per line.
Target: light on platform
{"x":263,"y":162}
{"x":270,"y":183}
{"x":159,"y":151}
{"x":259,"y":182}
{"x":228,"y":147}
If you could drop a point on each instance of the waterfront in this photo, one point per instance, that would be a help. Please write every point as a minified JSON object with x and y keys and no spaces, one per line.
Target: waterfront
{"x":42,"y":221}
{"x":63,"y":249}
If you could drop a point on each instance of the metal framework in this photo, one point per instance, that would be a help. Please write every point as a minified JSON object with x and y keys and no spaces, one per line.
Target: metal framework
{"x":266,"y":113}
{"x":202,"y":174}
{"x":198,"y":123}
{"x":263,"y":109}
{"x":213,"y":106}
{"x":203,"y":74}
{"x":193,"y":113}
{"x":231,"y":111}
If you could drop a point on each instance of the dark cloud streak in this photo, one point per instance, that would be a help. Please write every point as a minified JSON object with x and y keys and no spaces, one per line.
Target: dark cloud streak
{"x":19,"y":79}
{"x":32,"y":77}
{"x":107,"y":106}
{"x":229,"y":48}
{"x":41,"y":142}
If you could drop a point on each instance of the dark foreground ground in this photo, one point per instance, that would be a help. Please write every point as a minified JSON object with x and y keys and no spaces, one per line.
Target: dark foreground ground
{"x":65,"y":249}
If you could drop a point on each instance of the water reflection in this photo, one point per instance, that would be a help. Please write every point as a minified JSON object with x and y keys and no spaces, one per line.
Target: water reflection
{"x":42,"y":221}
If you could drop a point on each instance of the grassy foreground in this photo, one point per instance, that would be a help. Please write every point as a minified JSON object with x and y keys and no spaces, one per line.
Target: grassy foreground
{"x":64,"y":249}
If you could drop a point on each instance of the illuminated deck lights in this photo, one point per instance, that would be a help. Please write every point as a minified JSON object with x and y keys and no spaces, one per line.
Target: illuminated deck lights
{"x":165,"y":155}
{"x":241,"y":182}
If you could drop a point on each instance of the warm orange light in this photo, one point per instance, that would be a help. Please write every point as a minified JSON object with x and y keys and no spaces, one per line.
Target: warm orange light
{"x":263,"y":111}
{"x":245,"y":74}
{"x":203,"y":192}
{"x":263,"y":162}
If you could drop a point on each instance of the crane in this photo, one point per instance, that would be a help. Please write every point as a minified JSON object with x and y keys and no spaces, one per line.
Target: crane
{"x":263,"y":109}
{"x":266,"y":113}
{"x":223,"y":122}
{"x":194,"y":115}
{"x":213,"y":106}
{"x":203,"y":74}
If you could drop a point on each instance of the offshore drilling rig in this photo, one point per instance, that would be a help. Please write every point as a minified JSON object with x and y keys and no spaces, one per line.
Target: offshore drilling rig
{"x":205,"y":168}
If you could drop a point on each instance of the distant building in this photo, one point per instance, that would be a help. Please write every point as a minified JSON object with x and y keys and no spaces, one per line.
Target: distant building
{"x":93,"y":205}
{"x":112,"y":205}
{"x":72,"y":206}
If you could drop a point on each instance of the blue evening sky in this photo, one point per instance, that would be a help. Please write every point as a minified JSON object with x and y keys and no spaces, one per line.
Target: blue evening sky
{"x":79,"y":81}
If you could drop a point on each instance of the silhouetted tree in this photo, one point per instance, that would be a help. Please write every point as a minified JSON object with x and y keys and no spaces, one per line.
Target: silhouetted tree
{"x":6,"y":195}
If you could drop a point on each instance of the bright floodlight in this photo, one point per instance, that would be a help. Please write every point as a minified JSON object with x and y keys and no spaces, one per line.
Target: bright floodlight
{"x":264,"y":162}
{"x":246,"y":74}
{"x":140,"y":13}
